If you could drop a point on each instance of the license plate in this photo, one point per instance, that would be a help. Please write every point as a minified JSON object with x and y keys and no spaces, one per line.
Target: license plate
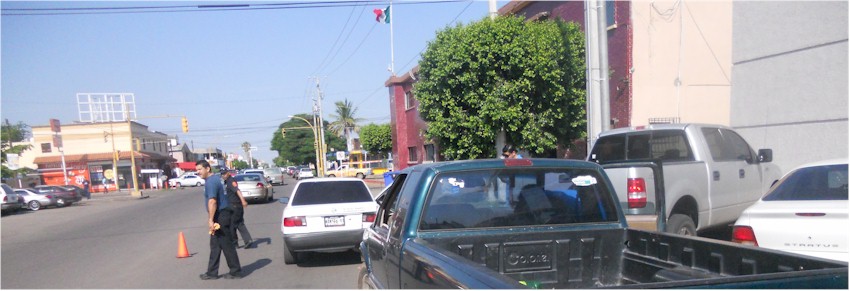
{"x":334,"y":221}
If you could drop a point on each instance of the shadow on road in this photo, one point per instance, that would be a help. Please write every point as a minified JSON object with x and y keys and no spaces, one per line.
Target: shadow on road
{"x":250,"y":268}
{"x":313,"y":259}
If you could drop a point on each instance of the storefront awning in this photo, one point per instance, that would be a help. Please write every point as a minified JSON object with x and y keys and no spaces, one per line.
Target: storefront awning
{"x":96,"y":157}
{"x":186,"y":166}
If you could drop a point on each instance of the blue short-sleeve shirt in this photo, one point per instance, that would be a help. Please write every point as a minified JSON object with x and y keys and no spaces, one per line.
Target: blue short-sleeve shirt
{"x":214,"y":189}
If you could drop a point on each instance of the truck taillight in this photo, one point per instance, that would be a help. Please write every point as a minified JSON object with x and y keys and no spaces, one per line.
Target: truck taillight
{"x":369,"y":217}
{"x":294,"y":221}
{"x":637,"y":192}
{"x":744,"y":235}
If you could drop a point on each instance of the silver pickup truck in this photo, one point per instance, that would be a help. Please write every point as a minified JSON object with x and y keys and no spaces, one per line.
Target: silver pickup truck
{"x":710,"y":174}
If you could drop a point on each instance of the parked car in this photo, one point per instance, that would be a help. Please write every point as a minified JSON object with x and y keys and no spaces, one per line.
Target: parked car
{"x":35,"y":201}
{"x":325,"y":215}
{"x":710,"y":174}
{"x":186,"y":180}
{"x":64,"y":196}
{"x":805,"y":213}
{"x":255,"y":187}
{"x":291,"y":170}
{"x":80,"y":191}
{"x":10,"y":199}
{"x":304,"y":173}
{"x":550,"y":224}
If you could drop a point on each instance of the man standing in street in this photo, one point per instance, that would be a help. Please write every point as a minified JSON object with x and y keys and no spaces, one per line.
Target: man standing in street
{"x":237,"y":204}
{"x":219,"y":212}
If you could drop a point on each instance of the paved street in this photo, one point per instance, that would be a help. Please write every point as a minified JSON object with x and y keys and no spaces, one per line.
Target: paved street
{"x":118,"y":242}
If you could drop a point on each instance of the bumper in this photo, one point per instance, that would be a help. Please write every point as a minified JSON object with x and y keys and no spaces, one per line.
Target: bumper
{"x":7,"y":206}
{"x":253,"y":195}
{"x":324,"y":241}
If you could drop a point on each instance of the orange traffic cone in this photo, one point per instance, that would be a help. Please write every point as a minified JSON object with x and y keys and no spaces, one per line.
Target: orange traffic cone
{"x":182,"y":251}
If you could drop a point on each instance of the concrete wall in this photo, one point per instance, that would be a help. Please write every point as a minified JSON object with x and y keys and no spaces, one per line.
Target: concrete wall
{"x":688,"y":41}
{"x":790,"y":78}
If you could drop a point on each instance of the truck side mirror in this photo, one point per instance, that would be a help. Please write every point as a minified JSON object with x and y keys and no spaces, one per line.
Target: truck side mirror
{"x":765,"y":155}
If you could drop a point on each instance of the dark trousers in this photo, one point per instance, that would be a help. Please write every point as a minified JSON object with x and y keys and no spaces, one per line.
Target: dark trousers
{"x":222,"y":242}
{"x":239,"y":224}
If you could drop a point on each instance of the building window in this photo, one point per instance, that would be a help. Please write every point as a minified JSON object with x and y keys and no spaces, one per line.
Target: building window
{"x":609,"y":13}
{"x":411,"y":154}
{"x":430,"y":156}
{"x":45,"y":148}
{"x":144,"y":144}
{"x":408,"y":100}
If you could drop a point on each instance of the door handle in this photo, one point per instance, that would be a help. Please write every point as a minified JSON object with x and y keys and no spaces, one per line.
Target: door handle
{"x":742,"y":173}
{"x":716,"y":175}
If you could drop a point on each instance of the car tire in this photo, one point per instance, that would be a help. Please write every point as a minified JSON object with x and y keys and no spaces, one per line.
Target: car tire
{"x":681,"y":224}
{"x":34,"y":205}
{"x":362,"y":279}
{"x":331,"y":175}
{"x":60,"y":202}
{"x":198,"y":184}
{"x":69,"y":203}
{"x":360,"y":176}
{"x":179,"y":185}
{"x":289,"y":257}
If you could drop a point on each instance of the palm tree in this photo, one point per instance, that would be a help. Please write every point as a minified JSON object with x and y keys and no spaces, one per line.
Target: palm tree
{"x":246,"y":146}
{"x":345,"y":122}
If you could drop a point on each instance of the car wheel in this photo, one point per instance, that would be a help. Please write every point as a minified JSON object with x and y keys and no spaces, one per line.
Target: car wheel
{"x":60,"y":202}
{"x":34,"y":205}
{"x":69,"y":203}
{"x":361,"y":176}
{"x":289,"y":257}
{"x":179,"y":185}
{"x":198,"y":184}
{"x":331,"y":175}
{"x":681,"y":224}
{"x":362,"y":278}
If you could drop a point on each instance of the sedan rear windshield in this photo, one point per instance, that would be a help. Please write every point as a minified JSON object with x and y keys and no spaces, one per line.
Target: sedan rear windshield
{"x":251,"y":178}
{"x":813,"y":183}
{"x":331,"y":192}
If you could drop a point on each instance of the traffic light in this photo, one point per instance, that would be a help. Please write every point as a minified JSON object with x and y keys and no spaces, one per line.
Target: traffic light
{"x":283,"y":132}
{"x":185,"y":125}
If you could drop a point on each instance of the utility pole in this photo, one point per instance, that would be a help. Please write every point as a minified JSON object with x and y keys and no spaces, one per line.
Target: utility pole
{"x":598,"y":104}
{"x":320,"y":129}
{"x":135,"y":191}
{"x":492,"y":9}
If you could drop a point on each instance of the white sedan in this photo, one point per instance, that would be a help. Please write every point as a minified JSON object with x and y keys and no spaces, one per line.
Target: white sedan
{"x":187,"y":180}
{"x":805,"y":213}
{"x":325,"y":215}
{"x":304,"y":173}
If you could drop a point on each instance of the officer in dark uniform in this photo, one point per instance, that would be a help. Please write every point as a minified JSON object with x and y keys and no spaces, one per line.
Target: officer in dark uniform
{"x":237,"y":205}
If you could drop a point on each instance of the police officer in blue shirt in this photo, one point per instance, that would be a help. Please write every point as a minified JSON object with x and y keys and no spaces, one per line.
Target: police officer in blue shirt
{"x":221,"y":240}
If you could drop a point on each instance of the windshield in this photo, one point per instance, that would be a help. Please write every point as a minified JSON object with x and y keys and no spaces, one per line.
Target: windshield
{"x":328,"y":192}
{"x":812,"y":183}
{"x":500,"y":198}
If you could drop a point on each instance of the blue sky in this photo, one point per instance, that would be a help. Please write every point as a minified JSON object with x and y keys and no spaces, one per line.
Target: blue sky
{"x":236,"y":74}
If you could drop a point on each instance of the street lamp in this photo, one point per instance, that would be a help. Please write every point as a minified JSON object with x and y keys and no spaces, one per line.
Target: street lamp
{"x":319,"y":166}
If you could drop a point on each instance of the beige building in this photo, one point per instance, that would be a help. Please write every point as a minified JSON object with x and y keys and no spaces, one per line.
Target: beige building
{"x":682,"y":61}
{"x":88,"y":150}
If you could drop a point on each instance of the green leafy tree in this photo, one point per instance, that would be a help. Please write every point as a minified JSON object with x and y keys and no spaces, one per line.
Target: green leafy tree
{"x":297,"y":147}
{"x":345,"y":122}
{"x":377,"y":139}
{"x":524,"y":77}
{"x":10,"y":134}
{"x":239,"y":164}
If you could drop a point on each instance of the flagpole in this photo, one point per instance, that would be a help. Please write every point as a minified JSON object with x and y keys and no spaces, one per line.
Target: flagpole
{"x":392,"y":52}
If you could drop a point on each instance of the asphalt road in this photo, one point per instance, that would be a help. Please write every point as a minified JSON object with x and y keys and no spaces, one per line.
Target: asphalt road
{"x":132,"y":244}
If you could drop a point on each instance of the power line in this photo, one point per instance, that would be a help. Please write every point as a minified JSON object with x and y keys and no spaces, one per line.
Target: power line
{"x":333,"y":46}
{"x":200,"y":8}
{"x":355,"y":49}
{"x":346,"y":37}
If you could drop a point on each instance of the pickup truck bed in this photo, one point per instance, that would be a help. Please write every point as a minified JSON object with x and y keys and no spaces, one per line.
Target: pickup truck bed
{"x":613,"y":258}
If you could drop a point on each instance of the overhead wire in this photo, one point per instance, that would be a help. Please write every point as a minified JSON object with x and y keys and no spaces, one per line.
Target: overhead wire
{"x":333,"y":46}
{"x":199,"y":8}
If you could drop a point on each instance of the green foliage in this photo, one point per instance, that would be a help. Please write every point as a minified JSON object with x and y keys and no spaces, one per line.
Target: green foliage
{"x":527,"y":78}
{"x":345,"y":121}
{"x":9,"y":134}
{"x":377,"y":138}
{"x":298,"y":146}
{"x":239,"y":164}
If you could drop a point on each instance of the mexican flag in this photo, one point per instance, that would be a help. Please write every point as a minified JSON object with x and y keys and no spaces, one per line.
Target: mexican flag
{"x":382,"y":15}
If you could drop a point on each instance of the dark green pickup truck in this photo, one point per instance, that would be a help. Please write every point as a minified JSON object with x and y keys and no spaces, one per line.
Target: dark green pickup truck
{"x":544,"y":223}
